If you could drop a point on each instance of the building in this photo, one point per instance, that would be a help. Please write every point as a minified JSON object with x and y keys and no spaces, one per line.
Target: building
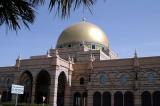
{"x":83,"y":71}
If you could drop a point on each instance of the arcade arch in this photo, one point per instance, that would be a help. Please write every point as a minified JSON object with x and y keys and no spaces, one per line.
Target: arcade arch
{"x":61,"y":89}
{"x":43,"y":82}
{"x":26,"y":80}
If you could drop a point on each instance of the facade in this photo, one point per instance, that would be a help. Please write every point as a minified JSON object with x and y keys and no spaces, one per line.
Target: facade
{"x":83,"y":71}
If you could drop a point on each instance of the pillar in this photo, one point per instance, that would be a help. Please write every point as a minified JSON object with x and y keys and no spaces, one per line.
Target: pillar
{"x":137,"y":98}
{"x":33,"y":90}
{"x":53,"y":90}
{"x":68,"y":96}
{"x":112,"y":98}
{"x":90,"y":98}
{"x":16,"y":81}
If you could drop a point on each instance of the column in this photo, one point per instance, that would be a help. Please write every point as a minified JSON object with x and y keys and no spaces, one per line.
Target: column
{"x":112,"y":98}
{"x":68,"y":96}
{"x":90,"y":98}
{"x":53,"y":91}
{"x":16,"y":81}
{"x":137,"y":98}
{"x":33,"y":90}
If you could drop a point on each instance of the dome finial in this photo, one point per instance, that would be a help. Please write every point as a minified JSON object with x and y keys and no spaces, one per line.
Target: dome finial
{"x":83,"y":19}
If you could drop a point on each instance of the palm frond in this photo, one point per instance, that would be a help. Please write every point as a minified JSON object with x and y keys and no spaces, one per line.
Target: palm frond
{"x":64,"y":7}
{"x":37,"y":2}
{"x":13,"y":13}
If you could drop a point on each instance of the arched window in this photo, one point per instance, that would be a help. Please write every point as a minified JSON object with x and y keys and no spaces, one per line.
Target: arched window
{"x":77,"y":99}
{"x":146,"y":98}
{"x":93,"y":46}
{"x":97,"y":99}
{"x":118,"y":99}
{"x":156,"y":98}
{"x":106,"y":99}
{"x":128,"y":99}
{"x":82,"y":81}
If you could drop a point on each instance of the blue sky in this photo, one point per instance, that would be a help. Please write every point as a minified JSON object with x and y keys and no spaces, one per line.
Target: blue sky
{"x":129,"y":25}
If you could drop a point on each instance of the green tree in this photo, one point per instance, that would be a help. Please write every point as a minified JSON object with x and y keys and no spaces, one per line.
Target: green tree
{"x":15,"y":13}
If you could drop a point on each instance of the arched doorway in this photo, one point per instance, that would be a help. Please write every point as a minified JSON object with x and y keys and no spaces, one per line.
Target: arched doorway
{"x":146,"y":98}
{"x":118,"y":99}
{"x":61,"y":89}
{"x":106,"y":99}
{"x":42,"y":87}
{"x":128,"y":99}
{"x":26,"y":80}
{"x":77,"y":99}
{"x":97,"y":99}
{"x":156,"y":98}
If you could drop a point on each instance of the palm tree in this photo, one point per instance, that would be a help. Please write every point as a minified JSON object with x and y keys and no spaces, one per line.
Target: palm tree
{"x":14,"y":13}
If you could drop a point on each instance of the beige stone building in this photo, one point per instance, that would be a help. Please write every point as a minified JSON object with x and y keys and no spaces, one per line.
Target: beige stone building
{"x":83,"y":71}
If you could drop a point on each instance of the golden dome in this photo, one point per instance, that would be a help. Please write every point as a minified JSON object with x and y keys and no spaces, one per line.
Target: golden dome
{"x":83,"y":32}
